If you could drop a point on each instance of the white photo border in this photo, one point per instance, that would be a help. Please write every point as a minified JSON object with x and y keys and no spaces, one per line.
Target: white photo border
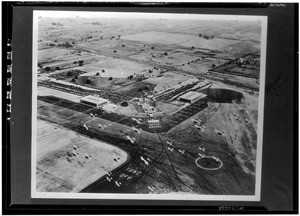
{"x":170,"y":196}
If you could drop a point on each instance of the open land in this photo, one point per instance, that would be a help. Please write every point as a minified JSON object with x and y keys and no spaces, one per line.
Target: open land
{"x":146,"y":138}
{"x":68,"y":162}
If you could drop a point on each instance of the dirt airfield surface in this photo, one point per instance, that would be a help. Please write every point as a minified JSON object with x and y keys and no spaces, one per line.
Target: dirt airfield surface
{"x":146,"y":140}
{"x":68,"y":162}
{"x":185,"y":175}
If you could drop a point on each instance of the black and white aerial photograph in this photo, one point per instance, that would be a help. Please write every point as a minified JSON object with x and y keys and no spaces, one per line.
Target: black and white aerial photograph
{"x":147,"y":105}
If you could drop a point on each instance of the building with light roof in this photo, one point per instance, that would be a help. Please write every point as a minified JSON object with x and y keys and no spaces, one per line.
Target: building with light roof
{"x":191,"y":96}
{"x":93,"y":101}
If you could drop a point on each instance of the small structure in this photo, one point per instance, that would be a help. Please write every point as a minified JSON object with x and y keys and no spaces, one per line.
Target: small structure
{"x":191,"y":97}
{"x":93,"y":101}
{"x":154,"y":123}
{"x":155,"y":114}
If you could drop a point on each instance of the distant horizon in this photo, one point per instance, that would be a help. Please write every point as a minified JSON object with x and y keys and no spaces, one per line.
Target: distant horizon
{"x":135,"y":15}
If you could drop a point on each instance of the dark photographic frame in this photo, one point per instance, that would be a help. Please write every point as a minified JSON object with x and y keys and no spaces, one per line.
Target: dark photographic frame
{"x":281,"y":94}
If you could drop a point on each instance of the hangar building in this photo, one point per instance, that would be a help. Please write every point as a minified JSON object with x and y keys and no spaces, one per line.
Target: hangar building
{"x":191,"y":97}
{"x":93,"y":101}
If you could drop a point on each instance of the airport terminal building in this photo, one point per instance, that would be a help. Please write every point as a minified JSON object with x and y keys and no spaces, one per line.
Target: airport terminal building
{"x":191,"y":97}
{"x":93,"y":101}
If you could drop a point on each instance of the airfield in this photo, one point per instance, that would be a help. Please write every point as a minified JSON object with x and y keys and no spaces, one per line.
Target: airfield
{"x":147,"y":138}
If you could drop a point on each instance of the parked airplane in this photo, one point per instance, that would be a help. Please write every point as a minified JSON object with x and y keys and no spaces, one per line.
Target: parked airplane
{"x":118,"y":183}
{"x":151,"y":188}
{"x":100,"y":126}
{"x":91,"y":114}
{"x":202,"y":149}
{"x":199,"y":128}
{"x":170,"y":143}
{"x":136,"y":120}
{"x":247,"y":121}
{"x":136,"y":129}
{"x":202,"y":155}
{"x":74,"y":153}
{"x":130,"y":139}
{"x":88,"y":156}
{"x":86,"y":127}
{"x":170,"y":149}
{"x":219,"y":132}
{"x":76,"y":147}
{"x":139,"y":172}
{"x":145,"y":161}
{"x":181,"y":151}
{"x":116,"y":159}
{"x":195,"y":121}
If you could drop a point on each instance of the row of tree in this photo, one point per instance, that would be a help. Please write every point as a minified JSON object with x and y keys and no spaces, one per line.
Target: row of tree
{"x":207,"y":37}
{"x":66,"y":44}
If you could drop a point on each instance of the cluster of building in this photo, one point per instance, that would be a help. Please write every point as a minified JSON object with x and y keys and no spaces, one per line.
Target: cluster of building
{"x":153,"y":122}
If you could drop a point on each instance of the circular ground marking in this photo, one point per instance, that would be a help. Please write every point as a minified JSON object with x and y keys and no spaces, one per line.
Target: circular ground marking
{"x":209,"y":163}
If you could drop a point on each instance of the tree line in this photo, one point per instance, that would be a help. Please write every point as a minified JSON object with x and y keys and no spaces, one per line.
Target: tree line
{"x":207,"y":37}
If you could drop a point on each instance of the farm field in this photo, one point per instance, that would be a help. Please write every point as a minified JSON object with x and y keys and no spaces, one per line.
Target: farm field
{"x":214,"y":44}
{"x":201,"y":66}
{"x":120,"y":47}
{"x":176,"y":58}
{"x":184,"y":40}
{"x":245,"y":82}
{"x":153,"y":37}
{"x":52,"y":53}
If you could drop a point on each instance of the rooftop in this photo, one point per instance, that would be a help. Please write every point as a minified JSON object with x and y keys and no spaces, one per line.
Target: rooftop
{"x":93,"y":99}
{"x":192,"y":95}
